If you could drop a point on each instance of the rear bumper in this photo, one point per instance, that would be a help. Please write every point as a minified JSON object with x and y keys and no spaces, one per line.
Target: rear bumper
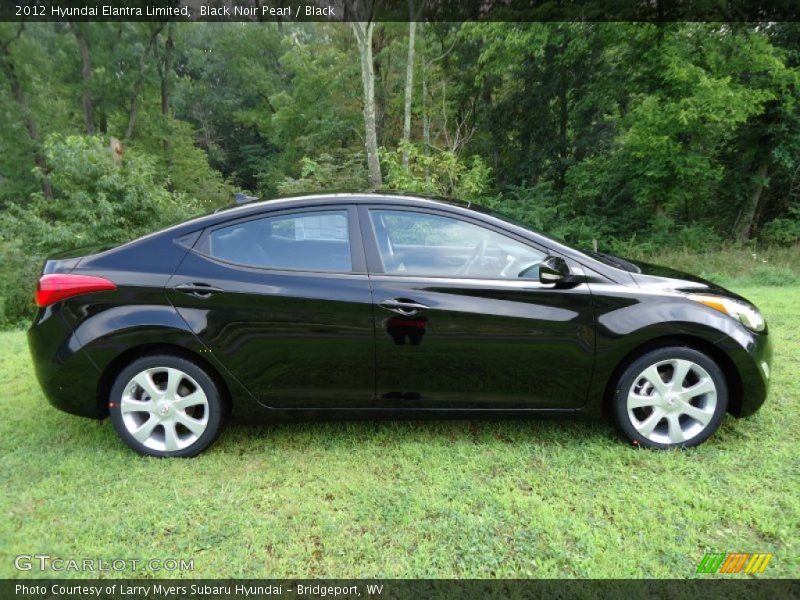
{"x":65,"y":372}
{"x":751,"y":354}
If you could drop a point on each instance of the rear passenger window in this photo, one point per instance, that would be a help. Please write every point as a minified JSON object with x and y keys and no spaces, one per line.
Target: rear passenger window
{"x":310,"y":241}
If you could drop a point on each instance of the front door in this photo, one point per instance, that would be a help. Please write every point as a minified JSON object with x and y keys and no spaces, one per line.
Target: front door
{"x":282,"y":300}
{"x":462,"y":320}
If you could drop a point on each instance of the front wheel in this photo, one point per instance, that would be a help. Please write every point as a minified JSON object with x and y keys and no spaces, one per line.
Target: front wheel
{"x":166,"y":406}
{"x":672,"y":397}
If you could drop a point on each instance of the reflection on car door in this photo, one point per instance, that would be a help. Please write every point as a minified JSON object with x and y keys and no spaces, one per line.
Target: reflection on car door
{"x":456,"y":327}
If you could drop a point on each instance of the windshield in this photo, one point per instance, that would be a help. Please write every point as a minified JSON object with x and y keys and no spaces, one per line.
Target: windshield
{"x":614,"y":261}
{"x":604,"y":257}
{"x":514,"y":221}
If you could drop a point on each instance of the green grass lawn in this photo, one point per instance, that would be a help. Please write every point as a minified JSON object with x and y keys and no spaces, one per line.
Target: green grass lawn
{"x":407,"y":499}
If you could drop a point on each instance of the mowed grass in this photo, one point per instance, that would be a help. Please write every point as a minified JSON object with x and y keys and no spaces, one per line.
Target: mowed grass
{"x":407,"y":499}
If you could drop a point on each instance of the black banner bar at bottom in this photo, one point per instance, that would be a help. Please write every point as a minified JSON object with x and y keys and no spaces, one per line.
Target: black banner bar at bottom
{"x":393,"y":589}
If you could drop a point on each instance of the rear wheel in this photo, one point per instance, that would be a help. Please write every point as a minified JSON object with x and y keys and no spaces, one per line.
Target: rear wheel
{"x":672,"y":397}
{"x":166,"y":406}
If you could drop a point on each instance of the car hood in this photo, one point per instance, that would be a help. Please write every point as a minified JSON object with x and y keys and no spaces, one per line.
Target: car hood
{"x":658,"y":277}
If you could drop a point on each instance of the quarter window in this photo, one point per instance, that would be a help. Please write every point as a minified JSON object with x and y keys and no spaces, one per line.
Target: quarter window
{"x":311,"y":241}
{"x":423,"y":244}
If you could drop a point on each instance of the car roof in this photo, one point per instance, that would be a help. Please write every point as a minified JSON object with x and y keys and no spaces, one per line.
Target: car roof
{"x":344,"y":198}
{"x":253,"y":208}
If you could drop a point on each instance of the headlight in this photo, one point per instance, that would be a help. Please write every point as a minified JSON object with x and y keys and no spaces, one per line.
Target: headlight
{"x":746,"y":314}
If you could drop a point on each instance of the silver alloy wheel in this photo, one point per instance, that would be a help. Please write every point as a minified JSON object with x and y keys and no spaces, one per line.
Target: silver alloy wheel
{"x":672,"y":401}
{"x":164,"y":409}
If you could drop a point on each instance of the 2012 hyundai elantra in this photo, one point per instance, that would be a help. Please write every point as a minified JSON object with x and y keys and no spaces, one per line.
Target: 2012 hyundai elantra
{"x":375,"y":303}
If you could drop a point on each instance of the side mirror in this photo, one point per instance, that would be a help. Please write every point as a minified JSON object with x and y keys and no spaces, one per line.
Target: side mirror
{"x":554,"y":269}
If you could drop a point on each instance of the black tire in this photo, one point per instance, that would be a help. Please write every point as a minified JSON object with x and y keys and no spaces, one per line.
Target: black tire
{"x":631,"y":376}
{"x":215,"y":405}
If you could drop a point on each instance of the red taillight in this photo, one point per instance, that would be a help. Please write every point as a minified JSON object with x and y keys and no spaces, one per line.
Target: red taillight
{"x":53,"y":288}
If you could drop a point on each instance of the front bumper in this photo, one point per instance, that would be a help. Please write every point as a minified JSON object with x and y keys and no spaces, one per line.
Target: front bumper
{"x":751,"y":354}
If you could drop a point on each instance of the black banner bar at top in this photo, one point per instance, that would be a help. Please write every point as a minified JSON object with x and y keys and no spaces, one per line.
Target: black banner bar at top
{"x":401,"y":10}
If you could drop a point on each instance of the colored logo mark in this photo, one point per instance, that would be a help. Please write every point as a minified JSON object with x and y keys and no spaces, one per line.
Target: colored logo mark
{"x":734,"y":562}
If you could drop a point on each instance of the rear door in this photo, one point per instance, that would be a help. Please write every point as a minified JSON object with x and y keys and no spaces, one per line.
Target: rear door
{"x":282,"y":300}
{"x":462,"y":320}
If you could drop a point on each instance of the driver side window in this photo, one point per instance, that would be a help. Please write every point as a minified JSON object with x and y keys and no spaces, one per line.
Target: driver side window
{"x":429,"y":245}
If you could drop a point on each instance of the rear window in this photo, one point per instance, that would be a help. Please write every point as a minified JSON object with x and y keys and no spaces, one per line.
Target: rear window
{"x":310,"y":241}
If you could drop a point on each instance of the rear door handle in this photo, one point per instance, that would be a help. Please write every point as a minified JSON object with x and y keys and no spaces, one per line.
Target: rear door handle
{"x":403,"y":306}
{"x":198,"y":290}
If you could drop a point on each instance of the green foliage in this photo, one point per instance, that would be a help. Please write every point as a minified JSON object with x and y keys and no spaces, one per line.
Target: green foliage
{"x":731,"y":266}
{"x":540,"y":208}
{"x":36,"y":56}
{"x":95,"y":202}
{"x":18,"y":273}
{"x":646,"y":132}
{"x":669,"y":151}
{"x":670,"y":155}
{"x":439,"y":173}
{"x":178,"y":164}
{"x":784,"y":230}
{"x":771,"y":276}
{"x":640,"y":136}
{"x":326,"y":174}
{"x":667,"y":233}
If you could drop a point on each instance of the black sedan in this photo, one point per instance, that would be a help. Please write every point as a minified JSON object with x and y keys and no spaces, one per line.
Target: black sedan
{"x":358,"y":303}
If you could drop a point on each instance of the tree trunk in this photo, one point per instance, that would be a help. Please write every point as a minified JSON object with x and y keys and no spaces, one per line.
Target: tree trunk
{"x":33,"y":134}
{"x":563,"y":123}
{"x":426,"y":124}
{"x":167,"y":71}
{"x":412,"y":28}
{"x":363,"y":34}
{"x":137,"y":84}
{"x":32,"y":127}
{"x":488,"y":102}
{"x":379,"y":42}
{"x":753,"y":209}
{"x":86,"y":76}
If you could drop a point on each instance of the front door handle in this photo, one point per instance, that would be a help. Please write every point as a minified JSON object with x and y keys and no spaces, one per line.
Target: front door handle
{"x":198,"y":290}
{"x":402,"y":306}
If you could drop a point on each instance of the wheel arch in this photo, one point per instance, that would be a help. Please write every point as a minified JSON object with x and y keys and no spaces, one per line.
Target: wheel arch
{"x":115,"y":367}
{"x":732,"y":377}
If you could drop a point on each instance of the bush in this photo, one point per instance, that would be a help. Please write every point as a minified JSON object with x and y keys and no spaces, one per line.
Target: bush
{"x":539,"y":208}
{"x":177,"y":164}
{"x":782,"y":230}
{"x":440,"y":173}
{"x":18,"y":273}
{"x":95,"y":202}
{"x":327,"y":173}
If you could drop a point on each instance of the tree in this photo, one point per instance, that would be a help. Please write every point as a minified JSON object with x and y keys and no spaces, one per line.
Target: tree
{"x":363,"y":34}
{"x":9,"y":69}
{"x":409,"y":88}
{"x":138,"y":81}
{"x":165,"y":69}
{"x":86,"y":76}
